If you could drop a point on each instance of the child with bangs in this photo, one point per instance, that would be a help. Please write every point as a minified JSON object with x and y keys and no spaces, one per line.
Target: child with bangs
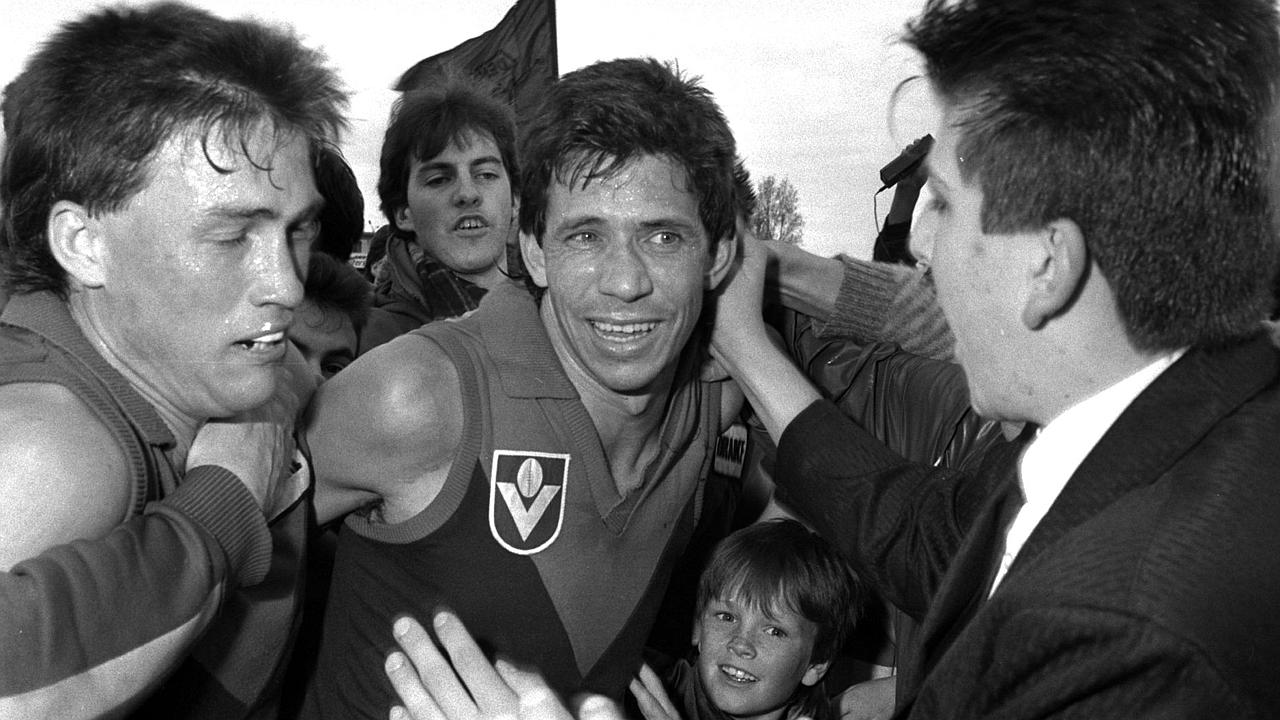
{"x":774,"y":605}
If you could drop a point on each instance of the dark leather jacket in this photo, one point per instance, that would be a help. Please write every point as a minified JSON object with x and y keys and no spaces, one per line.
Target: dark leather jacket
{"x":916,"y":406}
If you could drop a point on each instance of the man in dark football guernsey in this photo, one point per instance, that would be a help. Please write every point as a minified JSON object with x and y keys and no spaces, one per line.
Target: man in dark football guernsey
{"x":537,"y":464}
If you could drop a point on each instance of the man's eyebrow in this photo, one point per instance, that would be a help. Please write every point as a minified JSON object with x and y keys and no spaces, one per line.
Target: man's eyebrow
{"x":231,"y":212}
{"x":575,"y":222}
{"x":430,"y":167}
{"x":249,"y":212}
{"x":672,"y":223}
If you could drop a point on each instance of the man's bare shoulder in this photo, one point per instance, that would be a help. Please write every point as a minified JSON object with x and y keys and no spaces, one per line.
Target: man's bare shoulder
{"x":46,"y":422}
{"x":406,"y":383}
{"x":393,"y":417}
{"x":58,"y":463}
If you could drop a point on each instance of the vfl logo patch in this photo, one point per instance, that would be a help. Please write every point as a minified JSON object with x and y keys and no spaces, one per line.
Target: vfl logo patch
{"x":526,"y":499}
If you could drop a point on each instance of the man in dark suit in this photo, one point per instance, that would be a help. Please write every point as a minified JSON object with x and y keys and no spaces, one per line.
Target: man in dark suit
{"x":1101,"y":236}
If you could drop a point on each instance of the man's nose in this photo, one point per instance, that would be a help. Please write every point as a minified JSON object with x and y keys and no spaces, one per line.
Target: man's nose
{"x":625,"y":274}
{"x":278,"y":271}
{"x":466,"y":193}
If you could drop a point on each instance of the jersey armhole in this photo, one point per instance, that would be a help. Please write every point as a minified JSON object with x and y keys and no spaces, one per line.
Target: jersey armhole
{"x":475,"y":408}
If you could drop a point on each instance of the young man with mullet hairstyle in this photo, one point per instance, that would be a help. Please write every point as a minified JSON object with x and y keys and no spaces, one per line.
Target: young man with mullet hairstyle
{"x":159,"y":206}
{"x":448,"y":185}
{"x":1102,"y":236}
{"x":538,"y":464}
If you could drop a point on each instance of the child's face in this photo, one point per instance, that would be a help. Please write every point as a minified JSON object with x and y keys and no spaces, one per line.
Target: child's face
{"x":751,"y":662}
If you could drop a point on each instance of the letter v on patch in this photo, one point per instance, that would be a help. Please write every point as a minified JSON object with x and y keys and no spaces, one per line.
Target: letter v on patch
{"x":527,"y":499}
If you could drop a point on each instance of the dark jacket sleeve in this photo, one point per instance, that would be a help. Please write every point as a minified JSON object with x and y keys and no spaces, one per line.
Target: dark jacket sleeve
{"x":899,"y":523}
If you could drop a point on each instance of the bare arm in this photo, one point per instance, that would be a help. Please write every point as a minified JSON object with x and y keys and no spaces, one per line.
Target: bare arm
{"x":384,"y":430}
{"x":46,"y":437}
{"x":97,"y":607}
{"x":801,"y":280}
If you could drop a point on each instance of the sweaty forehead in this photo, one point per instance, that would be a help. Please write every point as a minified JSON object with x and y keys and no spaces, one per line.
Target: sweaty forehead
{"x":582,"y":169}
{"x":648,"y":189}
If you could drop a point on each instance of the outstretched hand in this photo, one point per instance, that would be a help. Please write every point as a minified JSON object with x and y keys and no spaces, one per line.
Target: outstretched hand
{"x":461,"y":684}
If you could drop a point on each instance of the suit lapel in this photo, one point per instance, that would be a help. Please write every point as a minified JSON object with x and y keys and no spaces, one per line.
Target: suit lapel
{"x":970,"y":573}
{"x":1162,"y":423}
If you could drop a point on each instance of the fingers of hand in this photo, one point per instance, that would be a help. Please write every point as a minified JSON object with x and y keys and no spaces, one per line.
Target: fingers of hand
{"x":433,"y":673}
{"x":648,"y":676}
{"x":491,"y":693}
{"x":536,"y":699}
{"x":657,"y":689}
{"x":418,"y":704}
{"x":649,"y":705}
{"x":598,"y":707}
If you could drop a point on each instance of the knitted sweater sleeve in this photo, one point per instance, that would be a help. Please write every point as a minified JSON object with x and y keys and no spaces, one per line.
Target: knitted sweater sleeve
{"x":89,"y":627}
{"x":885,"y":302}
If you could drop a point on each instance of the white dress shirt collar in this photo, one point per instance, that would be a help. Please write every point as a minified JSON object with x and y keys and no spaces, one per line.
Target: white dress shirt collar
{"x":1059,"y":448}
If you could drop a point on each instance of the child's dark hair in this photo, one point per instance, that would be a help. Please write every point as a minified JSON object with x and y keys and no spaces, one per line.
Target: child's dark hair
{"x":782,"y":564}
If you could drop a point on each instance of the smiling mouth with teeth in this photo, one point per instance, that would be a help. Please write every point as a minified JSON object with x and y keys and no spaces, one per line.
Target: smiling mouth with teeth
{"x":736,"y":675}
{"x":629,"y":329}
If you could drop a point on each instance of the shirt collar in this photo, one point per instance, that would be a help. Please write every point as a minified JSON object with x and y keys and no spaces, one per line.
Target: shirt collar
{"x":1063,"y":444}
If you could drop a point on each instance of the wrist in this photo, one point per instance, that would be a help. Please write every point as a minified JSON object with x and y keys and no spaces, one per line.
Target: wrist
{"x":808,"y":283}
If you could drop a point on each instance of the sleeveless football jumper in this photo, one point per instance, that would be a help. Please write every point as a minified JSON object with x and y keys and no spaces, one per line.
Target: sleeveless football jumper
{"x":528,"y":541}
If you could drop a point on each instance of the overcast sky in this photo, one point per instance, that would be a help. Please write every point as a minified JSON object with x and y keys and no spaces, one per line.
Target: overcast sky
{"x":805,"y":83}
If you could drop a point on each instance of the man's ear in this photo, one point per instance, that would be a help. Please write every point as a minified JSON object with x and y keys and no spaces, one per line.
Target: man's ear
{"x":404,"y":221}
{"x":76,"y":241}
{"x":815,"y":673}
{"x":534,"y":260}
{"x":721,"y":261}
{"x":697,"y":630}
{"x":1060,"y":269}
